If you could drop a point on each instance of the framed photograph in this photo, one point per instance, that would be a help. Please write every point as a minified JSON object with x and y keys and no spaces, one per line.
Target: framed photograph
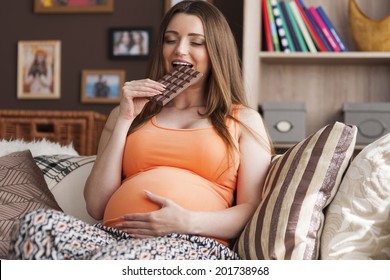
{"x":73,"y":6}
{"x":170,"y":3}
{"x":129,"y":43}
{"x":102,"y":86}
{"x":39,"y":64}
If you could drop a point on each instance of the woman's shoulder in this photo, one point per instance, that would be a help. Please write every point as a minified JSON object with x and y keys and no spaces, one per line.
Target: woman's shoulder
{"x":251,"y":119}
{"x":246,"y":114}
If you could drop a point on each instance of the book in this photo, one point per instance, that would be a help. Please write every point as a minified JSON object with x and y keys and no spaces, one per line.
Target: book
{"x":290,"y":28}
{"x":267,"y":28}
{"x":324,"y":29}
{"x":297,"y":30}
{"x":317,"y":29}
{"x":332,"y":29}
{"x":302,"y":26}
{"x":274,"y":32}
{"x":284,"y":42}
{"x":285,"y":27}
{"x":309,"y":26}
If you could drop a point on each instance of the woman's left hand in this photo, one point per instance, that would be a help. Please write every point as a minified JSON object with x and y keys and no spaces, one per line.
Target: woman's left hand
{"x":169,"y":219}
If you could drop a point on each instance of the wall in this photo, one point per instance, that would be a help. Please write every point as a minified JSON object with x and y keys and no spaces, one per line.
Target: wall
{"x":84,"y":39}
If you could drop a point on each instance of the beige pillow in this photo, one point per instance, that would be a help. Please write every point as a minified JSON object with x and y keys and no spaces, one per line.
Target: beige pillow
{"x":22,"y":189}
{"x":300,"y":184}
{"x":357,"y":224}
{"x":66,"y":176}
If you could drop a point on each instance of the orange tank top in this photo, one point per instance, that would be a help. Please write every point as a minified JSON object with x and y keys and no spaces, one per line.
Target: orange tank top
{"x":190,"y":166}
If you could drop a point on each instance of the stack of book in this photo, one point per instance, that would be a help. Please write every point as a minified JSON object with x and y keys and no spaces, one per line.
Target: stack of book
{"x":290,"y":26}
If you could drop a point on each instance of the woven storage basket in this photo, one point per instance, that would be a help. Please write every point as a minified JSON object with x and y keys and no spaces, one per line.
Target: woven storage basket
{"x":81,"y":128}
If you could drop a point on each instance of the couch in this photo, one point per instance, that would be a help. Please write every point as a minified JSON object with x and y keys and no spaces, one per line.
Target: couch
{"x":320,"y":201}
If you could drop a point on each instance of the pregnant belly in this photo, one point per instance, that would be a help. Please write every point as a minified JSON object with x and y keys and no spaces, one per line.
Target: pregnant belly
{"x":183,"y":187}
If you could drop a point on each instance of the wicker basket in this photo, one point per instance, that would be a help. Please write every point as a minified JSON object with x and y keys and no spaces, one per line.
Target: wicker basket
{"x":82,"y":129}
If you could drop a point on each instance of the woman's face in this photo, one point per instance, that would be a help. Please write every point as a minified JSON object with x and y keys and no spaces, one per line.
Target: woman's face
{"x":185,"y":43}
{"x":40,"y":57}
{"x":125,"y":38}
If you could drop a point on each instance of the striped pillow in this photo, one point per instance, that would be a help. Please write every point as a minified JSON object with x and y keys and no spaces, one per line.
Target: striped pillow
{"x":300,"y":184}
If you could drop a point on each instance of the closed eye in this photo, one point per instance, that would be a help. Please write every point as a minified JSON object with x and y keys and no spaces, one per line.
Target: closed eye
{"x":170,"y":41}
{"x":198,"y":43}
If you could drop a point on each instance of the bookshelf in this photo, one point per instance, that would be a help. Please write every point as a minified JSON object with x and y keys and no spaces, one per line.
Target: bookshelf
{"x":324,"y":81}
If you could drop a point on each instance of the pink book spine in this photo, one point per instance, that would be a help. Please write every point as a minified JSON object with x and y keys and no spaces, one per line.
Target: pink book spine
{"x":325,"y":30}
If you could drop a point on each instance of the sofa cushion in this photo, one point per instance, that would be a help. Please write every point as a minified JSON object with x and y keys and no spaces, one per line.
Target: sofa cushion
{"x":300,"y":184}
{"x":65,"y":176}
{"x":22,"y":189}
{"x":357,"y":222}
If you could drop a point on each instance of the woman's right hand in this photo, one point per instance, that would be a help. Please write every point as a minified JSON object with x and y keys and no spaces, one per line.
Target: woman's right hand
{"x":135,"y":95}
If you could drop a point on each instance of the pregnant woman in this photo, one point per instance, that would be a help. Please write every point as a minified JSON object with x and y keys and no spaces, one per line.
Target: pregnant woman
{"x":178,"y":181}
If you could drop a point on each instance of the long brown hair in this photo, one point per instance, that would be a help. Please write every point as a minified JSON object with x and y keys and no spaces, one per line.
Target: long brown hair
{"x":224,"y":86}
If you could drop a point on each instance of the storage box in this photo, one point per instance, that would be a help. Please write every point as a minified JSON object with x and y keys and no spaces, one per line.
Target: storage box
{"x":371,"y":119}
{"x":286,"y":121}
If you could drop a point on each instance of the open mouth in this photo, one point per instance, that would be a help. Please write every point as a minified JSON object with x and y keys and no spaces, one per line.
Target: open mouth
{"x":180,"y":63}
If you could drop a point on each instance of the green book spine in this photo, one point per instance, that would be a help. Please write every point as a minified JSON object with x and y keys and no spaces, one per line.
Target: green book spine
{"x":275,"y":37}
{"x":284,"y":23}
{"x":296,"y":28}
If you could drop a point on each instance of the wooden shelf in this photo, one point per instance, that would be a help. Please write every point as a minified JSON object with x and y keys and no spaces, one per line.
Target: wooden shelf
{"x":322,"y":80}
{"x":344,"y":58}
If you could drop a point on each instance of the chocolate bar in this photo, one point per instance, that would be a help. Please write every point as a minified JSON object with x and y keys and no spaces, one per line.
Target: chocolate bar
{"x":175,"y":82}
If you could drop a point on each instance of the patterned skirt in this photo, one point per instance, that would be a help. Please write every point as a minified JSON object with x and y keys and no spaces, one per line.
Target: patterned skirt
{"x":49,"y":234}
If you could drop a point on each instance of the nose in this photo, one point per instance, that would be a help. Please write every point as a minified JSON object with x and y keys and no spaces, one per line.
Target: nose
{"x":182,"y":48}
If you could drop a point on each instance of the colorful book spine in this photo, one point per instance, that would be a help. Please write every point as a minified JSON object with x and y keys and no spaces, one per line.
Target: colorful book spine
{"x":297,"y":30}
{"x":267,"y":28}
{"x":324,"y":29}
{"x":302,"y":26}
{"x":284,"y":42}
{"x":317,"y":29}
{"x":332,"y":29}
{"x":274,"y":32}
{"x":285,"y":27}
{"x":312,"y":32}
{"x":290,"y":28}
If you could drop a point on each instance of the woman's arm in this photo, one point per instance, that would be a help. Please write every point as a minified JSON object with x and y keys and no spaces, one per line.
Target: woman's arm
{"x":106,"y":174}
{"x":255,"y":157}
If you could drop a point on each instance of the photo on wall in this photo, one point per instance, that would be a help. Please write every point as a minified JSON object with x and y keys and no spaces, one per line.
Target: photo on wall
{"x":129,"y":43}
{"x":102,"y":86}
{"x":170,"y":3}
{"x":39,"y":64}
{"x":73,"y":6}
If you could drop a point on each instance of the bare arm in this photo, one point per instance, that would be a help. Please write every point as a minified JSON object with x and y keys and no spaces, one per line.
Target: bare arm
{"x":254,"y":164}
{"x":255,"y":158}
{"x":105,"y":177}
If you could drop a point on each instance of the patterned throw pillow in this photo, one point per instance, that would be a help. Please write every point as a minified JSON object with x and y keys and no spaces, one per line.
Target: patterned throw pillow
{"x":57,"y":167}
{"x":22,"y":189}
{"x":357,"y":224}
{"x":300,"y":184}
{"x":66,"y":176}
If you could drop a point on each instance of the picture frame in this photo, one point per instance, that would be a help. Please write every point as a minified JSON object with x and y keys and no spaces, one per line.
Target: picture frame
{"x":129,"y":42}
{"x":39,"y":64}
{"x":170,"y":3}
{"x":73,"y":6}
{"x":102,"y":86}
